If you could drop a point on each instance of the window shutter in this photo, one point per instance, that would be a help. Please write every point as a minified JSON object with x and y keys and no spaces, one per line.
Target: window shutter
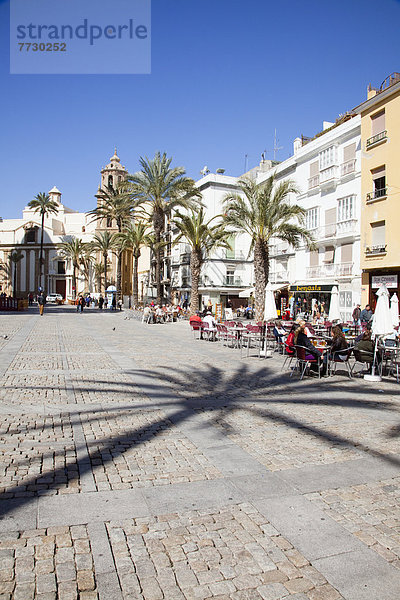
{"x":349,"y":152}
{"x":378,"y":122}
{"x":314,"y":258}
{"x":379,"y":172}
{"x":329,"y":254}
{"x":347,"y":253}
{"x":378,"y":233}
{"x":314,"y":168}
{"x":330,"y":222}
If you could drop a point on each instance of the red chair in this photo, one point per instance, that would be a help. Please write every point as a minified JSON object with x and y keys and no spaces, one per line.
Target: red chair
{"x":304,"y":361}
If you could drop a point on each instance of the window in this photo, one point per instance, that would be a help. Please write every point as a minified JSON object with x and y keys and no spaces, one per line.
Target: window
{"x":61,"y":267}
{"x":110,"y":181}
{"x":30,"y":236}
{"x":230,"y":252}
{"x":330,"y":222}
{"x":312,"y":218}
{"x":378,"y":123}
{"x":329,"y":254}
{"x":327,"y":158}
{"x":314,"y":258}
{"x":379,"y":181}
{"x":230,"y":275}
{"x":346,"y":208}
{"x":378,"y":235}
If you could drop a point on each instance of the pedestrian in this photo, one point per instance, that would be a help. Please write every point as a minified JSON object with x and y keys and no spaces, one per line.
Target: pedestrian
{"x":101,"y":302}
{"x":114,"y":302}
{"x":41,"y":301}
{"x":30,"y":299}
{"x":82,"y":303}
{"x":120,"y":304}
{"x":356,"y":316}
{"x":78,"y":303}
{"x":105,"y":303}
{"x":366,"y":315}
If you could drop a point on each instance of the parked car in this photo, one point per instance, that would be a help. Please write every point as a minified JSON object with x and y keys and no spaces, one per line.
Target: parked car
{"x":55,"y":298}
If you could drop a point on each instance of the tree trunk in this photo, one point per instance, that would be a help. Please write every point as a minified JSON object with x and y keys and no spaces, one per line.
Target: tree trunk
{"x":105,"y":256}
{"x":119,"y":276}
{"x":261,"y":274}
{"x":195,"y":269}
{"x":158,"y":224}
{"x":15,"y":280}
{"x":41,"y":254}
{"x":135,"y":279}
{"x":73,"y":281}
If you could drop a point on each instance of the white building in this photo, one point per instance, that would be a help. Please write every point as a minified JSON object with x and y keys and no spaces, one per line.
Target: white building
{"x":327,"y":171}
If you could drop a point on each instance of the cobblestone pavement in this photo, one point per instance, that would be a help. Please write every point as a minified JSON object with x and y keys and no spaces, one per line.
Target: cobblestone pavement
{"x":139,"y":463}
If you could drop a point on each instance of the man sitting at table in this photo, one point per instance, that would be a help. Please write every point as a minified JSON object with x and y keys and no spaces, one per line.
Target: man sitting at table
{"x":301,"y":339}
{"x":212,"y":326}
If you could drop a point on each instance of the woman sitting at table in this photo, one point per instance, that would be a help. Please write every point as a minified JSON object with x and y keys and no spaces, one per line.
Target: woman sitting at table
{"x":366,"y":348}
{"x":301,"y":339}
{"x":338,"y":343}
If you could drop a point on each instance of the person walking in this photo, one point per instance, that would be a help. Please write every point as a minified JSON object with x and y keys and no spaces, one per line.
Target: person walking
{"x":41,"y":301}
{"x":356,"y":316}
{"x":366,"y":315}
{"x":82,"y":303}
{"x":101,"y":302}
{"x":114,"y":302}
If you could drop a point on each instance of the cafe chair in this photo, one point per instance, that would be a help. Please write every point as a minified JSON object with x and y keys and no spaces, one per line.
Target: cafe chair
{"x":340,"y":357}
{"x":362,"y":357}
{"x":304,"y":360}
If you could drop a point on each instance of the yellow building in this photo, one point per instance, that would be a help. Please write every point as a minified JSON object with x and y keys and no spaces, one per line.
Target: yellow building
{"x":380,"y":189}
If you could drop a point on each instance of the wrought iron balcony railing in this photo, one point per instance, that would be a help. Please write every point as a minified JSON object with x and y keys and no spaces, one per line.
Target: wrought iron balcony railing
{"x":375,"y":139}
{"x":378,"y":249}
{"x":377,"y":194}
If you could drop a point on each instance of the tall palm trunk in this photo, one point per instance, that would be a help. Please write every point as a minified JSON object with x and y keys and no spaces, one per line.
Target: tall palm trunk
{"x":135,"y":278}
{"x":105,"y":257}
{"x":261,"y":274}
{"x":73,"y":281}
{"x":158,"y":224}
{"x":195,"y":268}
{"x":119,"y":275}
{"x":41,"y":253}
{"x":15,"y":280}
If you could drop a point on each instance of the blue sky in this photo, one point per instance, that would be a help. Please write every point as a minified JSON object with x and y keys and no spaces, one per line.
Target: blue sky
{"x":225,"y":74}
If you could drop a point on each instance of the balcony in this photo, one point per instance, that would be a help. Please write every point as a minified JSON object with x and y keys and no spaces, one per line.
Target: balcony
{"x":279,"y":249}
{"x":346,"y":228}
{"x":313,"y":182}
{"x":376,"y":139}
{"x":378,"y":250}
{"x":378,"y":194}
{"x":328,"y":174}
{"x":279,"y":276}
{"x":348,"y":167}
{"x":232,"y":281}
{"x":185,"y":258}
{"x":330,"y":270}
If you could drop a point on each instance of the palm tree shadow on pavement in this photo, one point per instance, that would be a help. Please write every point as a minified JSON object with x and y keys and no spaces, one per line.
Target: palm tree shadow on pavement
{"x":217,"y":395}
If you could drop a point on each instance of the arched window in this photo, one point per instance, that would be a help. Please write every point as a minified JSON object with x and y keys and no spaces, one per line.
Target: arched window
{"x":110,"y":181}
{"x":30,"y":235}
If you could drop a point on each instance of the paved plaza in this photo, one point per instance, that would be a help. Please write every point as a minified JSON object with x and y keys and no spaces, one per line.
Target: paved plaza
{"x":139,"y":463}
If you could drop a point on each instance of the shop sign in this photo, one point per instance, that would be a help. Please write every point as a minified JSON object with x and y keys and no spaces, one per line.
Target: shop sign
{"x":311,"y":288}
{"x":390,"y":280}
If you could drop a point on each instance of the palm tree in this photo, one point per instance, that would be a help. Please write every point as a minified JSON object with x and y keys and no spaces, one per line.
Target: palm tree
{"x":134,"y":237}
{"x":98,"y":269}
{"x":72,"y":249}
{"x":43,"y":205}
{"x":15,"y":257}
{"x":159,"y":189}
{"x":116,"y":204}
{"x":203,"y":237}
{"x":264,"y":212}
{"x":104,"y":243}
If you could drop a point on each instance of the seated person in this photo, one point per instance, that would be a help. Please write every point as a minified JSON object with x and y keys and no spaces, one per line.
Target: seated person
{"x":338,"y":343}
{"x":279,"y":332}
{"x":366,"y":349}
{"x":289,"y":342}
{"x":212,"y":325}
{"x":301,"y":339}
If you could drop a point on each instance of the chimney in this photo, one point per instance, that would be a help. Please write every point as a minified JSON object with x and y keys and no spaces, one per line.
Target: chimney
{"x":296,"y":145}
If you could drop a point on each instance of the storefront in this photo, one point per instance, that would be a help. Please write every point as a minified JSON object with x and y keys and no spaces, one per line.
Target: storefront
{"x":306,"y":298}
{"x":390,"y":277}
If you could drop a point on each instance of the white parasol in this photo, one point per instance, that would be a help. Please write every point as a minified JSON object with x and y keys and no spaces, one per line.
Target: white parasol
{"x":270,"y":313}
{"x":394,"y":310}
{"x":382,"y":324}
{"x":334,"y":310}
